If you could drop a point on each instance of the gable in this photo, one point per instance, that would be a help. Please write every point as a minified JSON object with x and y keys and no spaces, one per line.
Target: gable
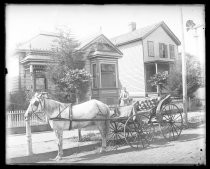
{"x":40,"y":42}
{"x":160,"y":36}
{"x":101,"y":43}
{"x":163,"y":29}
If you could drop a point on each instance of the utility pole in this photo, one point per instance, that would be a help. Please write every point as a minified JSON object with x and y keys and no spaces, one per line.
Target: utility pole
{"x":28,"y":137}
{"x":184,"y":73}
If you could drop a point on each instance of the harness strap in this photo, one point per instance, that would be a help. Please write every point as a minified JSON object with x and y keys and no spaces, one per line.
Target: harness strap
{"x":100,"y":113}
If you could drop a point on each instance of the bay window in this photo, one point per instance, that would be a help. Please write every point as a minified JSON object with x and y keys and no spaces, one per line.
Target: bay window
{"x":108,"y":75}
{"x":94,"y":76}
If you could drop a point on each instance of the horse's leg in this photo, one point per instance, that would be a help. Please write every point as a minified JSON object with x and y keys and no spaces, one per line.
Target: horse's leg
{"x":102,"y":128}
{"x":59,"y":136}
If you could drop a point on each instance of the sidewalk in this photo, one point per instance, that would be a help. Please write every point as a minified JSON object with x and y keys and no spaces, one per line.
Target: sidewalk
{"x":45,"y":142}
{"x":16,"y":145}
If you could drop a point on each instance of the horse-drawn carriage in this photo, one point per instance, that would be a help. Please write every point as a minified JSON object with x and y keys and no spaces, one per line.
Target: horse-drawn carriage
{"x":137,"y":124}
{"x":134,"y":124}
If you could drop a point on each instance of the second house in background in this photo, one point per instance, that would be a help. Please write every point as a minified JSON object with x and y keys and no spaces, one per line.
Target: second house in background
{"x":146,"y":51}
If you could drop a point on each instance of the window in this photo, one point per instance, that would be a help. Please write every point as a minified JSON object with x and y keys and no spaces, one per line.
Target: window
{"x":171,"y":49}
{"x":163,"y":50}
{"x":108,"y":75}
{"x":94,"y":76}
{"x":40,"y":84}
{"x":150,"y":46}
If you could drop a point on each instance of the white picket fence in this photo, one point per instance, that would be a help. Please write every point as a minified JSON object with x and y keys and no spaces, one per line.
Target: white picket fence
{"x":16,"y":119}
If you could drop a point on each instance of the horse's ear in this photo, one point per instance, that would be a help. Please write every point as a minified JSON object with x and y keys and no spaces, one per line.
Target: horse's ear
{"x":44,"y":95}
{"x":36,"y":94}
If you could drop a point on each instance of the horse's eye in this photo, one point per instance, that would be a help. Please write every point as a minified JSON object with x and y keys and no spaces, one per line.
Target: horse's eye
{"x":36,"y":103}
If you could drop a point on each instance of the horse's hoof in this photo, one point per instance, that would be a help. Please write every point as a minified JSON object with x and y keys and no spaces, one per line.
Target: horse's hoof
{"x":57,"y":158}
{"x":102,"y":151}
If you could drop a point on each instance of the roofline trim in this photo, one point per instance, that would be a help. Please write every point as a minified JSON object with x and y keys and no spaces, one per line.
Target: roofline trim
{"x":89,"y":43}
{"x":167,"y":30}
{"x":164,"y":26}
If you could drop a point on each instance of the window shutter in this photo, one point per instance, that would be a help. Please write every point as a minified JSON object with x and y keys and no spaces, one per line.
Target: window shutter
{"x":160,"y":50}
{"x":166,"y":51}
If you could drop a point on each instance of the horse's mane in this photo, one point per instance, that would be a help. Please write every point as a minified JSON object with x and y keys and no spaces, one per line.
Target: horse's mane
{"x":55,"y":104}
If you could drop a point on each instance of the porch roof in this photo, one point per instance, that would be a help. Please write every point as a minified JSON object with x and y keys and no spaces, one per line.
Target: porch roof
{"x":159,"y":61}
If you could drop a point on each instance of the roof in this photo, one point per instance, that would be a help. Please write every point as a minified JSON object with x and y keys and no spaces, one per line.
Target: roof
{"x":84,"y":43}
{"x":86,"y":40}
{"x":140,"y":34}
{"x":42,"y":41}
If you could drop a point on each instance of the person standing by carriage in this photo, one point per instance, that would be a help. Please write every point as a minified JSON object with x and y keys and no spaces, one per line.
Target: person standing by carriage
{"x":124,"y":97}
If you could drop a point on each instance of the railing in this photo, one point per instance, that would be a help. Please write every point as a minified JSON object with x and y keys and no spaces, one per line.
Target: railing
{"x":16,"y":119}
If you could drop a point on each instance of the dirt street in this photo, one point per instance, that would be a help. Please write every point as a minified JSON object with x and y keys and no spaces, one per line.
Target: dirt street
{"x":190,"y":148}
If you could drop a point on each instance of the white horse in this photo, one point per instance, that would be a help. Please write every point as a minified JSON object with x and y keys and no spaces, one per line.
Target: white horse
{"x":59,"y":115}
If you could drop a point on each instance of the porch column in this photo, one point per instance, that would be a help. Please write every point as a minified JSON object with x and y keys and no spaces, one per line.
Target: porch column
{"x":156,"y":71}
{"x":156,"y":68}
{"x":32,"y":77}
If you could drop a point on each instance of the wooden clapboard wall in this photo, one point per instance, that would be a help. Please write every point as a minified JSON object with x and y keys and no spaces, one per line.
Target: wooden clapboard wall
{"x":131,"y":68}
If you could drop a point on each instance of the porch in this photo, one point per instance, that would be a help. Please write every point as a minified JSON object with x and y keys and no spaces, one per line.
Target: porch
{"x":152,"y":68}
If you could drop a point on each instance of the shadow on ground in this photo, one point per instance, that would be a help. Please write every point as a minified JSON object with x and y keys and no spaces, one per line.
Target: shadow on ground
{"x":158,"y":143}
{"x":50,"y":155}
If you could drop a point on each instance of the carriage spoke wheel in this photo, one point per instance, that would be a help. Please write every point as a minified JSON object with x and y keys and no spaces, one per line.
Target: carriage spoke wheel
{"x":116,"y":136}
{"x":138,"y":131}
{"x":172,"y":122}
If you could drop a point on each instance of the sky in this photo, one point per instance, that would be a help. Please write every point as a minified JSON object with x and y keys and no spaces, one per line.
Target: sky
{"x":26,"y":21}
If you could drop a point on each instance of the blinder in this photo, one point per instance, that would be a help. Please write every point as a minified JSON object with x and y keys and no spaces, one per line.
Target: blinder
{"x":36,"y":103}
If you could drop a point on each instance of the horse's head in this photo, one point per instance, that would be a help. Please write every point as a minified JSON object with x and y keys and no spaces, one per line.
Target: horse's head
{"x":35,"y":105}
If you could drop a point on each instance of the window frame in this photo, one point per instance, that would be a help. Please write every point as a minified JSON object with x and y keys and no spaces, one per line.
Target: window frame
{"x":116,"y":79}
{"x":165,"y":46}
{"x":148,"y":49}
{"x":45,"y":83}
{"x":96,"y":81}
{"x":170,"y":51}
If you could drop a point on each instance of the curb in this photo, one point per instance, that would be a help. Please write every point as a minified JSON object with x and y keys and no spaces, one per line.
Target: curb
{"x":50,"y":155}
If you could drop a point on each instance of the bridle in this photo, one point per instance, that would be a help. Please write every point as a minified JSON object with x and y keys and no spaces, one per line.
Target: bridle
{"x":42,"y":107}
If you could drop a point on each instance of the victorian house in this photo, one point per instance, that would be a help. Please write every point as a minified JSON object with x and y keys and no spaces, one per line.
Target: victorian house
{"x":102,"y":63}
{"x":146,"y":51}
{"x":128,"y":60}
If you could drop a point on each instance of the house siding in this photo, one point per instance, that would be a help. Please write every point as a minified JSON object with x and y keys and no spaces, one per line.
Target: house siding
{"x":159,"y":36}
{"x":28,"y":81}
{"x":87,"y":68}
{"x":131,"y":69}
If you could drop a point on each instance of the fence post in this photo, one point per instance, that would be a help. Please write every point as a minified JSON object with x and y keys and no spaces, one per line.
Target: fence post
{"x":28,"y":137}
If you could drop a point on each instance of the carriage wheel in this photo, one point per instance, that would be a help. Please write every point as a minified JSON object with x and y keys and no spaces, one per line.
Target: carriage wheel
{"x":172,"y":122}
{"x":138,"y":131}
{"x":116,"y":136}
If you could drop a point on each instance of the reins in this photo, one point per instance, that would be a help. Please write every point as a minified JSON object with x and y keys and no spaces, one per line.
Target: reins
{"x":33,"y":112}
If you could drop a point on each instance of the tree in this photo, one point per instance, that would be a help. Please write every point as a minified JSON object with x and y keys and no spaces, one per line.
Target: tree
{"x":160,"y":80}
{"x":173,"y":81}
{"x":67,"y":71}
{"x":18,"y":100}
{"x":193,"y":77}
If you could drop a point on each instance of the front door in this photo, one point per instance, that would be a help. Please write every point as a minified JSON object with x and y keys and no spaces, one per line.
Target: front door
{"x":150,"y":71}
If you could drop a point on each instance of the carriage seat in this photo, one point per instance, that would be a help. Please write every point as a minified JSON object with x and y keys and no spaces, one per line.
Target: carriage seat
{"x":147,"y":103}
